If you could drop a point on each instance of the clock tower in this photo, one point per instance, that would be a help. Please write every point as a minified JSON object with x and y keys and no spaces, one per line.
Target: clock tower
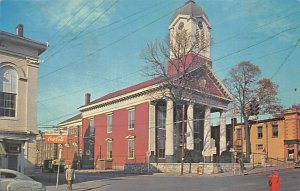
{"x":190,"y":22}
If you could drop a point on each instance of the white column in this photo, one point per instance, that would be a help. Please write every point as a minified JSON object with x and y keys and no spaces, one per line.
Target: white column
{"x":190,"y":127}
{"x":222,"y":131}
{"x":151,"y":129}
{"x":207,"y":132}
{"x":169,"y":128}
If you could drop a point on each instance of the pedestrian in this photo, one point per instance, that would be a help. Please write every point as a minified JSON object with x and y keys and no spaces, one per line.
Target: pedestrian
{"x":241,"y":166}
{"x":70,"y":177}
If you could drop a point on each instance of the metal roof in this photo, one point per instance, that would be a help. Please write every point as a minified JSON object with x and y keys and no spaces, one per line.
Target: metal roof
{"x":190,"y":8}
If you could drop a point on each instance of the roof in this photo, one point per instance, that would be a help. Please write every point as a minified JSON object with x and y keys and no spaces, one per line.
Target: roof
{"x":40,"y":47}
{"x":190,"y":8}
{"x":128,"y":90}
{"x":74,"y":118}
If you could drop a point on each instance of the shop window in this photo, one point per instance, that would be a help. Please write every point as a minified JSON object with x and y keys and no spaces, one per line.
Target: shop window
{"x":259,"y":147}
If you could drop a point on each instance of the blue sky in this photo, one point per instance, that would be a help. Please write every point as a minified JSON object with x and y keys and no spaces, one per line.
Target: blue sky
{"x":95,"y":45}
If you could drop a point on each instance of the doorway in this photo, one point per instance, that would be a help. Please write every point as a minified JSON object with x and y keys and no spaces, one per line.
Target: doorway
{"x":12,"y":162}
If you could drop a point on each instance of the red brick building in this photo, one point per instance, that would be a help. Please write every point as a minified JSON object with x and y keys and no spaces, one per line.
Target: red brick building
{"x":137,"y":124}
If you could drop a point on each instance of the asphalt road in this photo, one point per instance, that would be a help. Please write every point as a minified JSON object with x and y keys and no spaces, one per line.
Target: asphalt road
{"x":289,"y":179}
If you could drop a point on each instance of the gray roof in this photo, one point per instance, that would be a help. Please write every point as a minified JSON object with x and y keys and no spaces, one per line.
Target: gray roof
{"x":190,"y":8}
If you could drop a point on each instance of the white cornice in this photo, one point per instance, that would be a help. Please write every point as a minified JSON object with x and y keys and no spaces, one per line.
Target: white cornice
{"x":122,"y":97}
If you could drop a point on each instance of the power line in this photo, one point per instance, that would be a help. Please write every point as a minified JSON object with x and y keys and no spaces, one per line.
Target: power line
{"x":125,"y":18}
{"x":256,"y":43}
{"x":69,"y":20}
{"x":72,"y":39}
{"x":110,"y":44}
{"x":285,"y":59}
{"x":218,"y":59}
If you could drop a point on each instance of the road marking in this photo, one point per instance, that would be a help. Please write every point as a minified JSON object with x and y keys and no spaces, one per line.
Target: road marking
{"x":92,"y":188}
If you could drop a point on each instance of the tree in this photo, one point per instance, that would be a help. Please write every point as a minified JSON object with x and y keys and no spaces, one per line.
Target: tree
{"x":176,"y":64}
{"x":173,"y":62}
{"x":246,"y":88}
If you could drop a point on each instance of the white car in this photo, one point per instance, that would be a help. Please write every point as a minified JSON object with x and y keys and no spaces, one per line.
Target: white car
{"x":11,"y":180}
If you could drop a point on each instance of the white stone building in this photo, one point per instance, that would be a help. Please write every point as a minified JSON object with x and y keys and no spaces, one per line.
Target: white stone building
{"x":19,"y":65}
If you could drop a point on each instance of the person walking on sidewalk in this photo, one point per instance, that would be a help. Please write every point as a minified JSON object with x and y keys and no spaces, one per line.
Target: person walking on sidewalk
{"x":70,"y":177}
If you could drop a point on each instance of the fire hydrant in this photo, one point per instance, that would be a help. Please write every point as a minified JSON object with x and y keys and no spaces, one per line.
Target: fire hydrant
{"x":274,"y":181}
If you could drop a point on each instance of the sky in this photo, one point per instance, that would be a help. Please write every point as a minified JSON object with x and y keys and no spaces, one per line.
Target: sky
{"x":95,"y":45}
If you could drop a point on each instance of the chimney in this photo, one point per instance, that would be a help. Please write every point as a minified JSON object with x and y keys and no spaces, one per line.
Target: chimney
{"x":87,"y":98}
{"x":19,"y":30}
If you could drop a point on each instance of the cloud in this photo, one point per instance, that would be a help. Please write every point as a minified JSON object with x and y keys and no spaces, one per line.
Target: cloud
{"x":75,"y":16}
{"x":270,"y":17}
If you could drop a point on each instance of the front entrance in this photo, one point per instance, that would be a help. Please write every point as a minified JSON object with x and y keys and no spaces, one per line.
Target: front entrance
{"x":12,"y":161}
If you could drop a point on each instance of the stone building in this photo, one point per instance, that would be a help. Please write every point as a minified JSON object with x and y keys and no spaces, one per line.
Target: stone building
{"x":19,"y":65}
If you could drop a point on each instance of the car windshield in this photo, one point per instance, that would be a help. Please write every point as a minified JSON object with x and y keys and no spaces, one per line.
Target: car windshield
{"x":4,"y":174}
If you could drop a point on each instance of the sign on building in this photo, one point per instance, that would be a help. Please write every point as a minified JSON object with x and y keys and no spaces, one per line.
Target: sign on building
{"x":55,"y":139}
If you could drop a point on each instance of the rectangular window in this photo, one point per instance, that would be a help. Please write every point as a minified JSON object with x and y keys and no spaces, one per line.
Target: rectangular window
{"x":197,"y":139}
{"x":259,"y":132}
{"x":161,"y":116}
{"x":239,"y":134}
{"x":259,"y":147}
{"x":92,"y":126}
{"x":162,"y":148}
{"x":130,"y":148}
{"x":109,"y":149}
{"x":109,"y":123}
{"x":7,"y":104}
{"x":275,"y":131}
{"x":131,"y":119}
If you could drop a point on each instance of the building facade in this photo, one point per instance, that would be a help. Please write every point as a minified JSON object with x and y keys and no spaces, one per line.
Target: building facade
{"x":137,"y":124}
{"x":18,"y":94}
{"x":273,"y":140}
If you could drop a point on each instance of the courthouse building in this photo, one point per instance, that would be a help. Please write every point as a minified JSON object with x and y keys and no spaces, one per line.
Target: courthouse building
{"x":19,"y":65}
{"x":133,"y":126}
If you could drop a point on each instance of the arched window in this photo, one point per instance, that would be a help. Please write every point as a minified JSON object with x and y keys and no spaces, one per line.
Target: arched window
{"x":8,"y":91}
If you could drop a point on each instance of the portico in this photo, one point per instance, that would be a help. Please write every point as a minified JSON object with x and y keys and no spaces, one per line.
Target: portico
{"x":197,"y":128}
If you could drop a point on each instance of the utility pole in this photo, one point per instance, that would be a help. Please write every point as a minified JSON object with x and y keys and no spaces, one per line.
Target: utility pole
{"x":59,"y":159}
{"x":78,"y":148}
{"x":182,"y":139}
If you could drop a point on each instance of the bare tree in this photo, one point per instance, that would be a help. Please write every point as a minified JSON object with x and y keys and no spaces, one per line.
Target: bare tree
{"x":245,"y":86}
{"x":176,"y":64}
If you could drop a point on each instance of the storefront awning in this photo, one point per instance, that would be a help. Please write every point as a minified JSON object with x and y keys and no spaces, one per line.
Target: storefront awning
{"x":2,"y":150}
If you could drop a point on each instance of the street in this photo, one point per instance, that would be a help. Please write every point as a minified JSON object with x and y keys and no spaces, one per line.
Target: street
{"x":112,"y":181}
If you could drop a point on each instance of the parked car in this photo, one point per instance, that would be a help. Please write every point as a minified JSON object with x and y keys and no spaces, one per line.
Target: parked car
{"x":297,"y":164}
{"x":11,"y":180}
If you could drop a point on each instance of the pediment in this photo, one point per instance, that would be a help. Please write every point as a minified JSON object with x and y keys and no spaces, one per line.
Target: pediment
{"x":207,"y":82}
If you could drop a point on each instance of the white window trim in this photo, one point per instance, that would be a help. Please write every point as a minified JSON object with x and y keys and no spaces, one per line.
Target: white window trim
{"x":130,"y":110}
{"x":109,"y":140}
{"x":17,"y":95}
{"x":107,"y":128}
{"x":131,"y":138}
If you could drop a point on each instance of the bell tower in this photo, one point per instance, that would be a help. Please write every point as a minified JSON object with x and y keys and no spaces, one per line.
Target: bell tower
{"x":190,"y":22}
